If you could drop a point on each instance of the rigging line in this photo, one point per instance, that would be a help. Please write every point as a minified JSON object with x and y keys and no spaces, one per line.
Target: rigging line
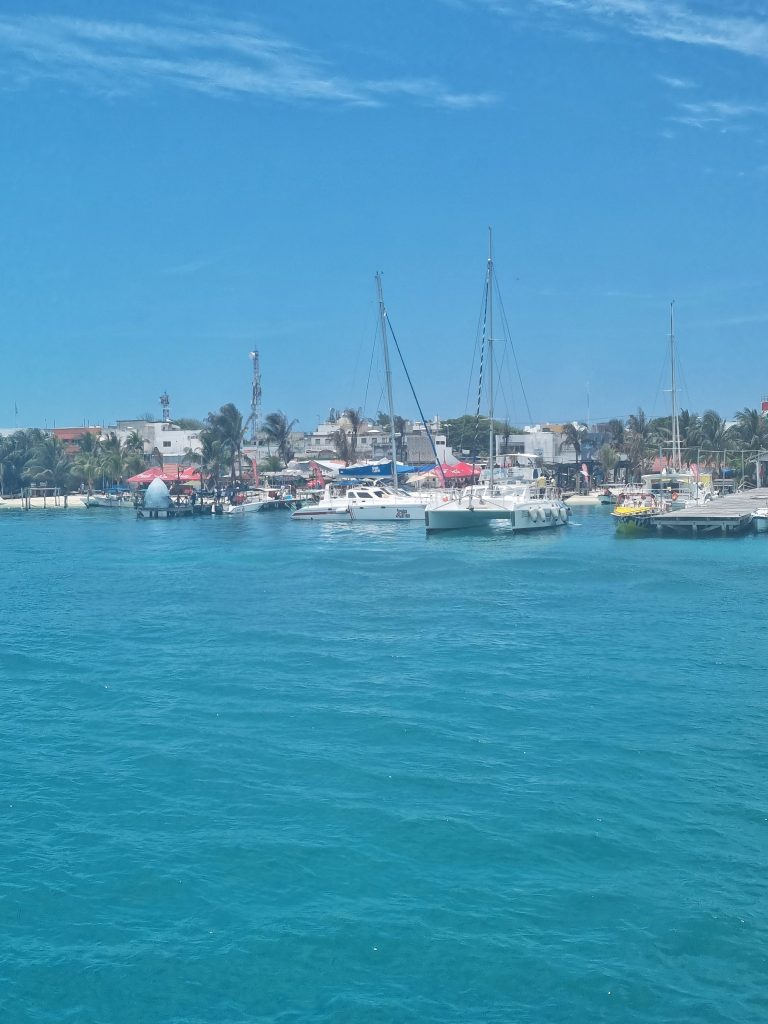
{"x":514,"y":352}
{"x":370,"y":369}
{"x":662,"y":371}
{"x":508,"y":405}
{"x":413,"y":392}
{"x":480,"y":386}
{"x":478,"y":320}
{"x":471,"y":376}
{"x":479,"y":342}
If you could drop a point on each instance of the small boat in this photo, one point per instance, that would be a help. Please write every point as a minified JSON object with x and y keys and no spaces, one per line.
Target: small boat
{"x":262,"y":501}
{"x":760,"y":520}
{"x":119,"y":501}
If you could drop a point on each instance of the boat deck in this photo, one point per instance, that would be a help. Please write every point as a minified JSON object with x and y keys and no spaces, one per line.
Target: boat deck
{"x":731,"y":514}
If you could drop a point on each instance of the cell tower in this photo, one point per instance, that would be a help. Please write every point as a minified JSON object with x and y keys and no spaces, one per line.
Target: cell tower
{"x":255,"y":417}
{"x":166,"y":404}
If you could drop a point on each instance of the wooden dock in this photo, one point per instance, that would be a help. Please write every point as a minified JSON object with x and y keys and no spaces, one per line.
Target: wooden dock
{"x":731,"y":514}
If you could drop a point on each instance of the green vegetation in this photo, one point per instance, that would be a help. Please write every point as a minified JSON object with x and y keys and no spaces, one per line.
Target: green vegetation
{"x":35,"y":457}
{"x":466,"y":433}
{"x":277,"y":429}
{"x":705,"y":440}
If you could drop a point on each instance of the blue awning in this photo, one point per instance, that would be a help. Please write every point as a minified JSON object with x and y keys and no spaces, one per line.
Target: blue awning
{"x":384,"y":469}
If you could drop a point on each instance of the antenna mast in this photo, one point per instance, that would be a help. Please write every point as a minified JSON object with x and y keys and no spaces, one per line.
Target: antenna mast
{"x":165,"y":402}
{"x":255,"y":417}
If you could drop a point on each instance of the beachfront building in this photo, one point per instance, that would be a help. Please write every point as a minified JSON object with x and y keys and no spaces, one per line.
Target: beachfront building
{"x":163,"y":440}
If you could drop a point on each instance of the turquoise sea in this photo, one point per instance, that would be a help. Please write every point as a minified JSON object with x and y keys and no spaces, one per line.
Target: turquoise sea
{"x":263,"y":771}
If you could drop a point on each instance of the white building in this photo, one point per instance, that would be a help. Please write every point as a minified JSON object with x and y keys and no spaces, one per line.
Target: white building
{"x":162,"y":438}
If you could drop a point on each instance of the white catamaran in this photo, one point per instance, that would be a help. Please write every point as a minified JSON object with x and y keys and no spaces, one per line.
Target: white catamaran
{"x":503,"y":495}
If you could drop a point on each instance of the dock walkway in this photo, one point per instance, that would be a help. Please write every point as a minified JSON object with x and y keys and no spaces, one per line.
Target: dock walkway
{"x":731,"y":514}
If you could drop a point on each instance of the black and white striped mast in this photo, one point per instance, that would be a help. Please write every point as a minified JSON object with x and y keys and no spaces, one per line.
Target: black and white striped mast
{"x":388,"y":375}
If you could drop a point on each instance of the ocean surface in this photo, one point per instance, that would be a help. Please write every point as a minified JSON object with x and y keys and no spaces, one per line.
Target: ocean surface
{"x":263,"y":771}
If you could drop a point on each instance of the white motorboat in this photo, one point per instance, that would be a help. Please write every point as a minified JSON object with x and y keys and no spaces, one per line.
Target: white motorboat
{"x":760,"y":520}
{"x":377,"y":503}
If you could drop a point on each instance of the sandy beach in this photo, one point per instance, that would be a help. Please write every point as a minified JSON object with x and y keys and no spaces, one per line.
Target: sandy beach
{"x":28,"y":504}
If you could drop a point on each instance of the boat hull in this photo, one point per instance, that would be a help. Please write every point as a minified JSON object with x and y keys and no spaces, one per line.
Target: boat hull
{"x":403,"y":513}
{"x":517,"y":519}
{"x":265,"y":505}
{"x":313,"y":514}
{"x":118,"y":504}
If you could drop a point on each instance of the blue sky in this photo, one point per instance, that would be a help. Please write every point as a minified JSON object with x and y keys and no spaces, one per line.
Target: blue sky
{"x":183,"y":183}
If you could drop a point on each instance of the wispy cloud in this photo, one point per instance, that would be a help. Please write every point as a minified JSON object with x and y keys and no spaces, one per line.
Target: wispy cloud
{"x":213,"y":56}
{"x":745,"y":33}
{"x":676,"y":83}
{"x":741,"y":27}
{"x":718,"y":113}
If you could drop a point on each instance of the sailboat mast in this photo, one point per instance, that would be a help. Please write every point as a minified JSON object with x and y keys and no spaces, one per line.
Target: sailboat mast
{"x":491,"y":438}
{"x":676,"y":455}
{"x":388,"y":375}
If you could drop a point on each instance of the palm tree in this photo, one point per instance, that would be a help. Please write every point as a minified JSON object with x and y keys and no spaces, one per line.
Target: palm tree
{"x":572,"y":436}
{"x":751,"y":433}
{"x":689,"y":424}
{"x":49,"y":462}
{"x":400,"y":427}
{"x":616,"y":431}
{"x":213,"y":456}
{"x":640,"y":441}
{"x":89,"y":443}
{"x":112,"y":458}
{"x":354,"y":418}
{"x":278,"y":431}
{"x":341,"y":443}
{"x":15,"y":453}
{"x":228,"y":427}
{"x":134,"y":442}
{"x":608,"y":457}
{"x":86,"y":467}
{"x":714,"y":438}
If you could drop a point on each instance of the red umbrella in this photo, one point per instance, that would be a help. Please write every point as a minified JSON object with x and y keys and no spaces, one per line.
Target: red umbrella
{"x":190,"y":473}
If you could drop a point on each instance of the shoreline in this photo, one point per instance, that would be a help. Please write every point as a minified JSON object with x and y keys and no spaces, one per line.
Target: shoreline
{"x":74,"y":501}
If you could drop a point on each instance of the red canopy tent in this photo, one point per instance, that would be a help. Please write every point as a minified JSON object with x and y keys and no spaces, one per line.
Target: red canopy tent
{"x":456,"y":471}
{"x":148,"y":475}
